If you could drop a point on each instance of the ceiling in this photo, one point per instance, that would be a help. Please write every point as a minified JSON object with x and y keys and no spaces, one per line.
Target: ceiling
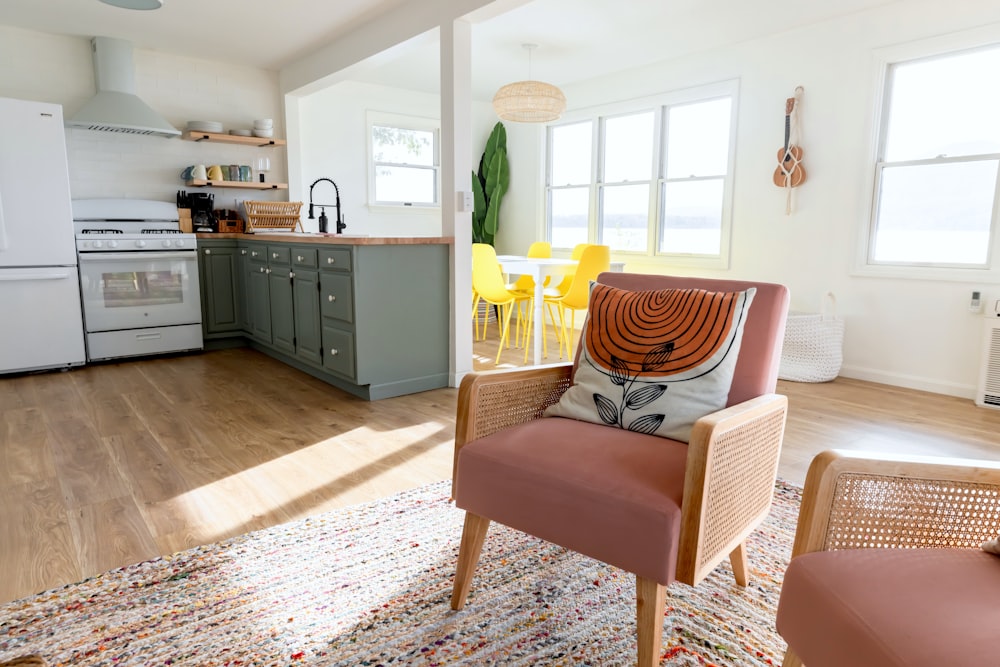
{"x":578,"y":39}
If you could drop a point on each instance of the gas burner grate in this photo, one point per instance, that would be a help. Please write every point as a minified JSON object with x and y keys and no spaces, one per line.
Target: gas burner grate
{"x":160,"y":231}
{"x":102,"y":231}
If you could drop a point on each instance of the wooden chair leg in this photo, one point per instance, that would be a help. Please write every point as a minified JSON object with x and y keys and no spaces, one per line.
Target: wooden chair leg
{"x":650,"y":602}
{"x":738,"y":559}
{"x":473,"y":534}
{"x":791,"y":660}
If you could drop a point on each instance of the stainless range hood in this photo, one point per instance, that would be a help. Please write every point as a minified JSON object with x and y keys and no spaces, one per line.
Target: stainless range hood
{"x":116,"y":108}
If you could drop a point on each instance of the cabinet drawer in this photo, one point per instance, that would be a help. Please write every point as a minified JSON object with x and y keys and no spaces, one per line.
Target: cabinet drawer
{"x":336,"y":297}
{"x":304,"y":257}
{"x":335,"y":258}
{"x":257,"y":253}
{"x":338,"y":351}
{"x":278,"y":254}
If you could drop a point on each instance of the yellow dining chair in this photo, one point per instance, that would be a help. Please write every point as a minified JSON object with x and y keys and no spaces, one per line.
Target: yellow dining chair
{"x":488,"y":283}
{"x":594,"y":260}
{"x":567,"y":279}
{"x":525,"y":286}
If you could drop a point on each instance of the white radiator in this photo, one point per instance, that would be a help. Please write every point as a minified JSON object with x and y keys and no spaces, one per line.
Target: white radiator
{"x":988,"y":392}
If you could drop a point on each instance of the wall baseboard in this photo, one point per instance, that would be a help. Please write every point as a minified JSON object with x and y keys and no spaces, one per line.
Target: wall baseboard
{"x":909,"y":381}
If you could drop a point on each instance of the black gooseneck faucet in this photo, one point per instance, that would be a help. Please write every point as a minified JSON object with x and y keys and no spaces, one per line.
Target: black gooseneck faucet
{"x":341,"y":225}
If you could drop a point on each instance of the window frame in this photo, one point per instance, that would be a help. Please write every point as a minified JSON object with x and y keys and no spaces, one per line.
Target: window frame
{"x":403,"y":122}
{"x":883,"y":62}
{"x":660,"y":105}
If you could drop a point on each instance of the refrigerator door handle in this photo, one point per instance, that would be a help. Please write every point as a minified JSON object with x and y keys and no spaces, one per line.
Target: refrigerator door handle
{"x":3,"y":226}
{"x":20,"y":277}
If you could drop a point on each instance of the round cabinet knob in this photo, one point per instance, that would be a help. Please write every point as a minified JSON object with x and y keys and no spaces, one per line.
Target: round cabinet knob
{"x":242,"y":252}
{"x":291,"y":274}
{"x":253,"y":254}
{"x":329,"y":260}
{"x":334,"y":352}
{"x":263,"y":270}
{"x":274,"y":255}
{"x":299,"y":258}
{"x":268,"y":271}
{"x":331,"y":298}
{"x":208,"y":251}
{"x":112,"y":244}
{"x":167,"y":244}
{"x":140,"y":244}
{"x":98,"y":244}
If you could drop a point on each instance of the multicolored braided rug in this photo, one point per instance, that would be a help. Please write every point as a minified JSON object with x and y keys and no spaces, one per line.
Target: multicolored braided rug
{"x":370,"y":585}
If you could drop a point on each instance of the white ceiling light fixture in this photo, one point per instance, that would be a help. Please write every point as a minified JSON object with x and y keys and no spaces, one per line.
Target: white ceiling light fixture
{"x":529,"y":101}
{"x":135,"y":4}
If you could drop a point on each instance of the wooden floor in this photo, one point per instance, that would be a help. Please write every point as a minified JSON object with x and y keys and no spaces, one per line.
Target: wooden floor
{"x":120,"y":462}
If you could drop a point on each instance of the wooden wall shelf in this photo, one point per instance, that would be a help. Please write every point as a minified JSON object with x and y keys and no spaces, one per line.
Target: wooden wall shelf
{"x":246,"y":185}
{"x":191,"y":135}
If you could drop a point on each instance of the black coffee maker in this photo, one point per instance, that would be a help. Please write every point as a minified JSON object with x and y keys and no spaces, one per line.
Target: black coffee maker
{"x":203,"y":212}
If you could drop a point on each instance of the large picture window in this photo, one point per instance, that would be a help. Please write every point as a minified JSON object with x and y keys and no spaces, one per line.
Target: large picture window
{"x":655,"y":179}
{"x":405,"y":161}
{"x":935,"y":189}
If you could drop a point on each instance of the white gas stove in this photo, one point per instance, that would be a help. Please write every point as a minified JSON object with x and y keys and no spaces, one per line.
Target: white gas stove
{"x":138,"y":278}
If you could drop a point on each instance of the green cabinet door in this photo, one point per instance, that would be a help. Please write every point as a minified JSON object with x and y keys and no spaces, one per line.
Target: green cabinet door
{"x":260,"y":302}
{"x":282,"y":309}
{"x":243,"y":267}
{"x":217,"y":266}
{"x":308,"y":324}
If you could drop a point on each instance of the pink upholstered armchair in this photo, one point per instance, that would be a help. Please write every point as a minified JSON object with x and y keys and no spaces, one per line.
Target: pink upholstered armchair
{"x":887,"y":569}
{"x":661,"y":509}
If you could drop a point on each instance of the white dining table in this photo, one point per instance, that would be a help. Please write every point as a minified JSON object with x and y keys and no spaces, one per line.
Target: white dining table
{"x":540,"y":268}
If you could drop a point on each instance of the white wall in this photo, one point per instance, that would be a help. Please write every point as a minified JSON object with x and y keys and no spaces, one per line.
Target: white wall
{"x":914,"y":333}
{"x":59,"y":69}
{"x":333,"y":127}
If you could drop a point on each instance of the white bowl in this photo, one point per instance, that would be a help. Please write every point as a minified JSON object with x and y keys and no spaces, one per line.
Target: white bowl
{"x":264,"y":134}
{"x":264,"y":124}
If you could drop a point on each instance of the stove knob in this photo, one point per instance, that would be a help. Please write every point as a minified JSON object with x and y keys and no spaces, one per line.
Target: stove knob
{"x":166,"y":243}
{"x":98,"y":244}
{"x":140,"y":244}
{"x":112,"y":244}
{"x":180,"y":243}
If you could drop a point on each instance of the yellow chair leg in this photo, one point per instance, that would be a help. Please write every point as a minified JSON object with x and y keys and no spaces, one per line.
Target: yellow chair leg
{"x":505,"y":330}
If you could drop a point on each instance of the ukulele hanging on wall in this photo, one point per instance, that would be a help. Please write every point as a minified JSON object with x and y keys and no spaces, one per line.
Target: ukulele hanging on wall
{"x":790,"y":173}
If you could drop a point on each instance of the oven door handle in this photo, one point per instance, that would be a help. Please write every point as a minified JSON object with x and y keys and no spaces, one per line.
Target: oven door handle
{"x":132,"y":256}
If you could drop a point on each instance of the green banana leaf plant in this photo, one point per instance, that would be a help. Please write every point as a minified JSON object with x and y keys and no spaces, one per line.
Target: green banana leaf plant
{"x":489,"y":186}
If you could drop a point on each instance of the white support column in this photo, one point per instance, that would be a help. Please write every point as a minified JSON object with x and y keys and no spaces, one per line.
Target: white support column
{"x":456,"y":170}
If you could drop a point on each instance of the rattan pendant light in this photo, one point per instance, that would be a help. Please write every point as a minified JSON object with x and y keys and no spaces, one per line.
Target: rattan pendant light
{"x":529,"y":101}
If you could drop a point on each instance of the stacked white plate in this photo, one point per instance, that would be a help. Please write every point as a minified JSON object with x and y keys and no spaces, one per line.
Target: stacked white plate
{"x":240,"y":133}
{"x":263,"y":124}
{"x":204,"y":126}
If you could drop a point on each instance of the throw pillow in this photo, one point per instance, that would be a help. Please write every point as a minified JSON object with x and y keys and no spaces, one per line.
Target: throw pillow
{"x":655,"y":361}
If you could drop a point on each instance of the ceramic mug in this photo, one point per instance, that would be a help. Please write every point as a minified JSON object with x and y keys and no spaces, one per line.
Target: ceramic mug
{"x":215,"y":173}
{"x":198,"y":171}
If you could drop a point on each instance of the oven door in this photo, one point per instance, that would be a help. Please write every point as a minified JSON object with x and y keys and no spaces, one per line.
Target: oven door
{"x":134,"y":290}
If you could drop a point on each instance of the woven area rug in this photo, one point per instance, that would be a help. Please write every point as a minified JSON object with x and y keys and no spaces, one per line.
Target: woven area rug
{"x":370,"y":585}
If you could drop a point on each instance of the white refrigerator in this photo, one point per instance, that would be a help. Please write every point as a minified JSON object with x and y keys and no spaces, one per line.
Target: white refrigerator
{"x":41,"y":326}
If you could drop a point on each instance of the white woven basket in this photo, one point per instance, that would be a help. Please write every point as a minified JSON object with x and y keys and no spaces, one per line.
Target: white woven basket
{"x":813,"y":349}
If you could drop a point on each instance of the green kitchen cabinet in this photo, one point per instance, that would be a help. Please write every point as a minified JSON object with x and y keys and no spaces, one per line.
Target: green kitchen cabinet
{"x":282,"y":308}
{"x":308,"y":328}
{"x":243,"y":292}
{"x":218,"y":277}
{"x":259,"y":297}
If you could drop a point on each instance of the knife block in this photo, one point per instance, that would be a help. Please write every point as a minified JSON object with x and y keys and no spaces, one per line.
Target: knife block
{"x":184,"y":215}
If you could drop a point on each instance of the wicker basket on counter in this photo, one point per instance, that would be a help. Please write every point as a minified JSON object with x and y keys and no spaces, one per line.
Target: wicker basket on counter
{"x":270,"y":215}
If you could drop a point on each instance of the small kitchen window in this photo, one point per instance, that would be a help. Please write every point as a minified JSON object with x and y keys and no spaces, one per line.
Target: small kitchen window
{"x":404,"y":159}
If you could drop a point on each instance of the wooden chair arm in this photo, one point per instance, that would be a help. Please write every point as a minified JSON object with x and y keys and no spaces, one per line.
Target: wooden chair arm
{"x":732,"y":464}
{"x":493,"y":400}
{"x":856,"y":500}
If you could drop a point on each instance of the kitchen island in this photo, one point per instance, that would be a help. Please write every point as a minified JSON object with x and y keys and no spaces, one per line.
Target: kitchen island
{"x":369,"y":315}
